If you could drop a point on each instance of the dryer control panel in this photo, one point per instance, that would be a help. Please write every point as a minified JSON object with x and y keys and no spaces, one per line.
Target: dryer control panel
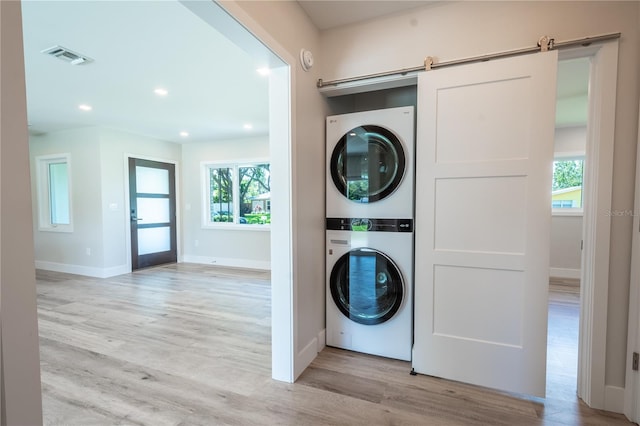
{"x":369,"y":225}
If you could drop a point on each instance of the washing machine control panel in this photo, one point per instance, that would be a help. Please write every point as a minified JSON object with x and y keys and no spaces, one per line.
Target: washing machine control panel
{"x":369,"y":225}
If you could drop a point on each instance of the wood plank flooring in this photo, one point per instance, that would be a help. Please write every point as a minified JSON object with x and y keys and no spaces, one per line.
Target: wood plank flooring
{"x":190,"y":345}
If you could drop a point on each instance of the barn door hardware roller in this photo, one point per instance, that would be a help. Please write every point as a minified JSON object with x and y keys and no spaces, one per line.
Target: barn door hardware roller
{"x":545,"y":43}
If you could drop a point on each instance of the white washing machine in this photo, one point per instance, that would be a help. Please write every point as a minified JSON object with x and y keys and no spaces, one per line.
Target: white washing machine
{"x":370,"y":164}
{"x":369,"y":288}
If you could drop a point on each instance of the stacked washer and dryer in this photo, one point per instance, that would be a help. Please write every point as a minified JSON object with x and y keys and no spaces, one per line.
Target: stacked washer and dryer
{"x":369,"y":232}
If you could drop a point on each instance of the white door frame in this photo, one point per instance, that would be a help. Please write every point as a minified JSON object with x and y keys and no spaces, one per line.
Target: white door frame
{"x":594,"y":288}
{"x":632,"y":382}
{"x":232,"y":21}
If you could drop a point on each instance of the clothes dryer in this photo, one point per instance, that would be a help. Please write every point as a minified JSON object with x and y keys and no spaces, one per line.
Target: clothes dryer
{"x":369,"y":292}
{"x":370,"y":164}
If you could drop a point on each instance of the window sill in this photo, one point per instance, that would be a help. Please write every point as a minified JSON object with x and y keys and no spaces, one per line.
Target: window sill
{"x":65,"y":228}
{"x":237,"y":227}
{"x":567,"y":212}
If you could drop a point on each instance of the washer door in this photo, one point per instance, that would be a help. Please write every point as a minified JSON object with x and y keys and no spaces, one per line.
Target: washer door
{"x":367,"y":164}
{"x":366,"y":286}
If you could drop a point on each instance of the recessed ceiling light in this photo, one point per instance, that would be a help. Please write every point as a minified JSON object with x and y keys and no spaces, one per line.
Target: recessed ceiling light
{"x":264,"y":71}
{"x":184,"y":134}
{"x":85,"y":107}
{"x":161,"y":92}
{"x":248,"y":126}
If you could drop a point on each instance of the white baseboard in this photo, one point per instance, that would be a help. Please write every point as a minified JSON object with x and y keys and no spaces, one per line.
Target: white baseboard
{"x":322,"y":340}
{"x":230,"y":262}
{"x":614,"y":399}
{"x":564,"y":273}
{"x":305,"y":357}
{"x":87,"y":271}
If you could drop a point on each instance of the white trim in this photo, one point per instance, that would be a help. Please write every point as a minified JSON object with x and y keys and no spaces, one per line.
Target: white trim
{"x":632,"y":378}
{"x":614,"y":399}
{"x":322,"y":339}
{"x":306,"y":356}
{"x":88,"y":271}
{"x":567,"y":212}
{"x":564,"y":273}
{"x":568,"y":155}
{"x":228,"y":261}
{"x":598,"y":179}
{"x":224,"y":226}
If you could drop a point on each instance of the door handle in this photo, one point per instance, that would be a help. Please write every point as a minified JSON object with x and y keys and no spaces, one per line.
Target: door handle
{"x":133,"y":218}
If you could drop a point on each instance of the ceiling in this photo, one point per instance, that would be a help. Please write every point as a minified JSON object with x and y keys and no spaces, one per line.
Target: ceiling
{"x":214,"y":90}
{"x":213,"y":87}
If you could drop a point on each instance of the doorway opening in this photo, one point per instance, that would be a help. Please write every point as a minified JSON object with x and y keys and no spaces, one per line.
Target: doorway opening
{"x":567,"y":200}
{"x":569,"y":196}
{"x":279,"y":135}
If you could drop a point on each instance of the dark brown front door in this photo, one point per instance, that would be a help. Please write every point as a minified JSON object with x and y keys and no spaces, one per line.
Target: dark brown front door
{"x":152,"y":211}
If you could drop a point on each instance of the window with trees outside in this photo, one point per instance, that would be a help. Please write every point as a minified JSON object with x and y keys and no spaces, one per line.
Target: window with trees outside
{"x":566,"y":192}
{"x":238,"y":194}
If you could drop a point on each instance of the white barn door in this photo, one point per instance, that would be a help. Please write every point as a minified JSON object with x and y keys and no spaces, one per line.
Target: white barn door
{"x":483,"y":212}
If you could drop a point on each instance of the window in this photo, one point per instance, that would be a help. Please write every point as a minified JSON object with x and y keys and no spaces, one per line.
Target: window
{"x":237,"y":194}
{"x":566,"y":192}
{"x":562,"y":204}
{"x":54,"y":192}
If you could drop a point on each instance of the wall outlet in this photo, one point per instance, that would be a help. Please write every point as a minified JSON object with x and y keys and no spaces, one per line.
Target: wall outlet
{"x":196,"y":243}
{"x":88,"y":251}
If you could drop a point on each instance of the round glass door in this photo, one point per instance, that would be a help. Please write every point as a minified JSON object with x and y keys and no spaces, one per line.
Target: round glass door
{"x":366,"y":286}
{"x":367,"y":164}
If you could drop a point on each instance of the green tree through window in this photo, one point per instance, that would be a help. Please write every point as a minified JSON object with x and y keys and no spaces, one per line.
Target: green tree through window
{"x":566,"y":189}
{"x":221,"y":194}
{"x":567,"y":174}
{"x":251,"y":183}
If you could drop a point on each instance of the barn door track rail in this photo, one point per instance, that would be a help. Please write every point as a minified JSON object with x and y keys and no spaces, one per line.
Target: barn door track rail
{"x":544,"y":44}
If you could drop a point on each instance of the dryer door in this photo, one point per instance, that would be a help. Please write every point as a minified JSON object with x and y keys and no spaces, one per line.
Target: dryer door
{"x":367,"y":287}
{"x":367,"y":164}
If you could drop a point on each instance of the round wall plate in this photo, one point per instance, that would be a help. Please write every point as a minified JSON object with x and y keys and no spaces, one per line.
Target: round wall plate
{"x":306,"y":59}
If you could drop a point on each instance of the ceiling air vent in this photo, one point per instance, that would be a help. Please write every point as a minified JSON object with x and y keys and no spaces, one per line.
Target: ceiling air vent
{"x":67,"y":55}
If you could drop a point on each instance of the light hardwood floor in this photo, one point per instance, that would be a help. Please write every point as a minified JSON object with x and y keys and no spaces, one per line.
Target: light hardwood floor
{"x":190,"y":345}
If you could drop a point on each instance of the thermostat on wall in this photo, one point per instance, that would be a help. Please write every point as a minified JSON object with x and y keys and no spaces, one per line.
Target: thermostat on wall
{"x":306,"y":59}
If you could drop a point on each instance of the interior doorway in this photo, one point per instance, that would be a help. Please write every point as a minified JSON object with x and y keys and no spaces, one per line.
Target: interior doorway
{"x":281,"y":115}
{"x":567,"y":227}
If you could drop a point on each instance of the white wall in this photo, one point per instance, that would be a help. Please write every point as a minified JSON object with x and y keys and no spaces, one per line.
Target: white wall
{"x":21,"y":401}
{"x":98,"y":188}
{"x":54,"y":249}
{"x":237,"y":247}
{"x":453,"y":30}
{"x":570,"y":140}
{"x":566,"y":236}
